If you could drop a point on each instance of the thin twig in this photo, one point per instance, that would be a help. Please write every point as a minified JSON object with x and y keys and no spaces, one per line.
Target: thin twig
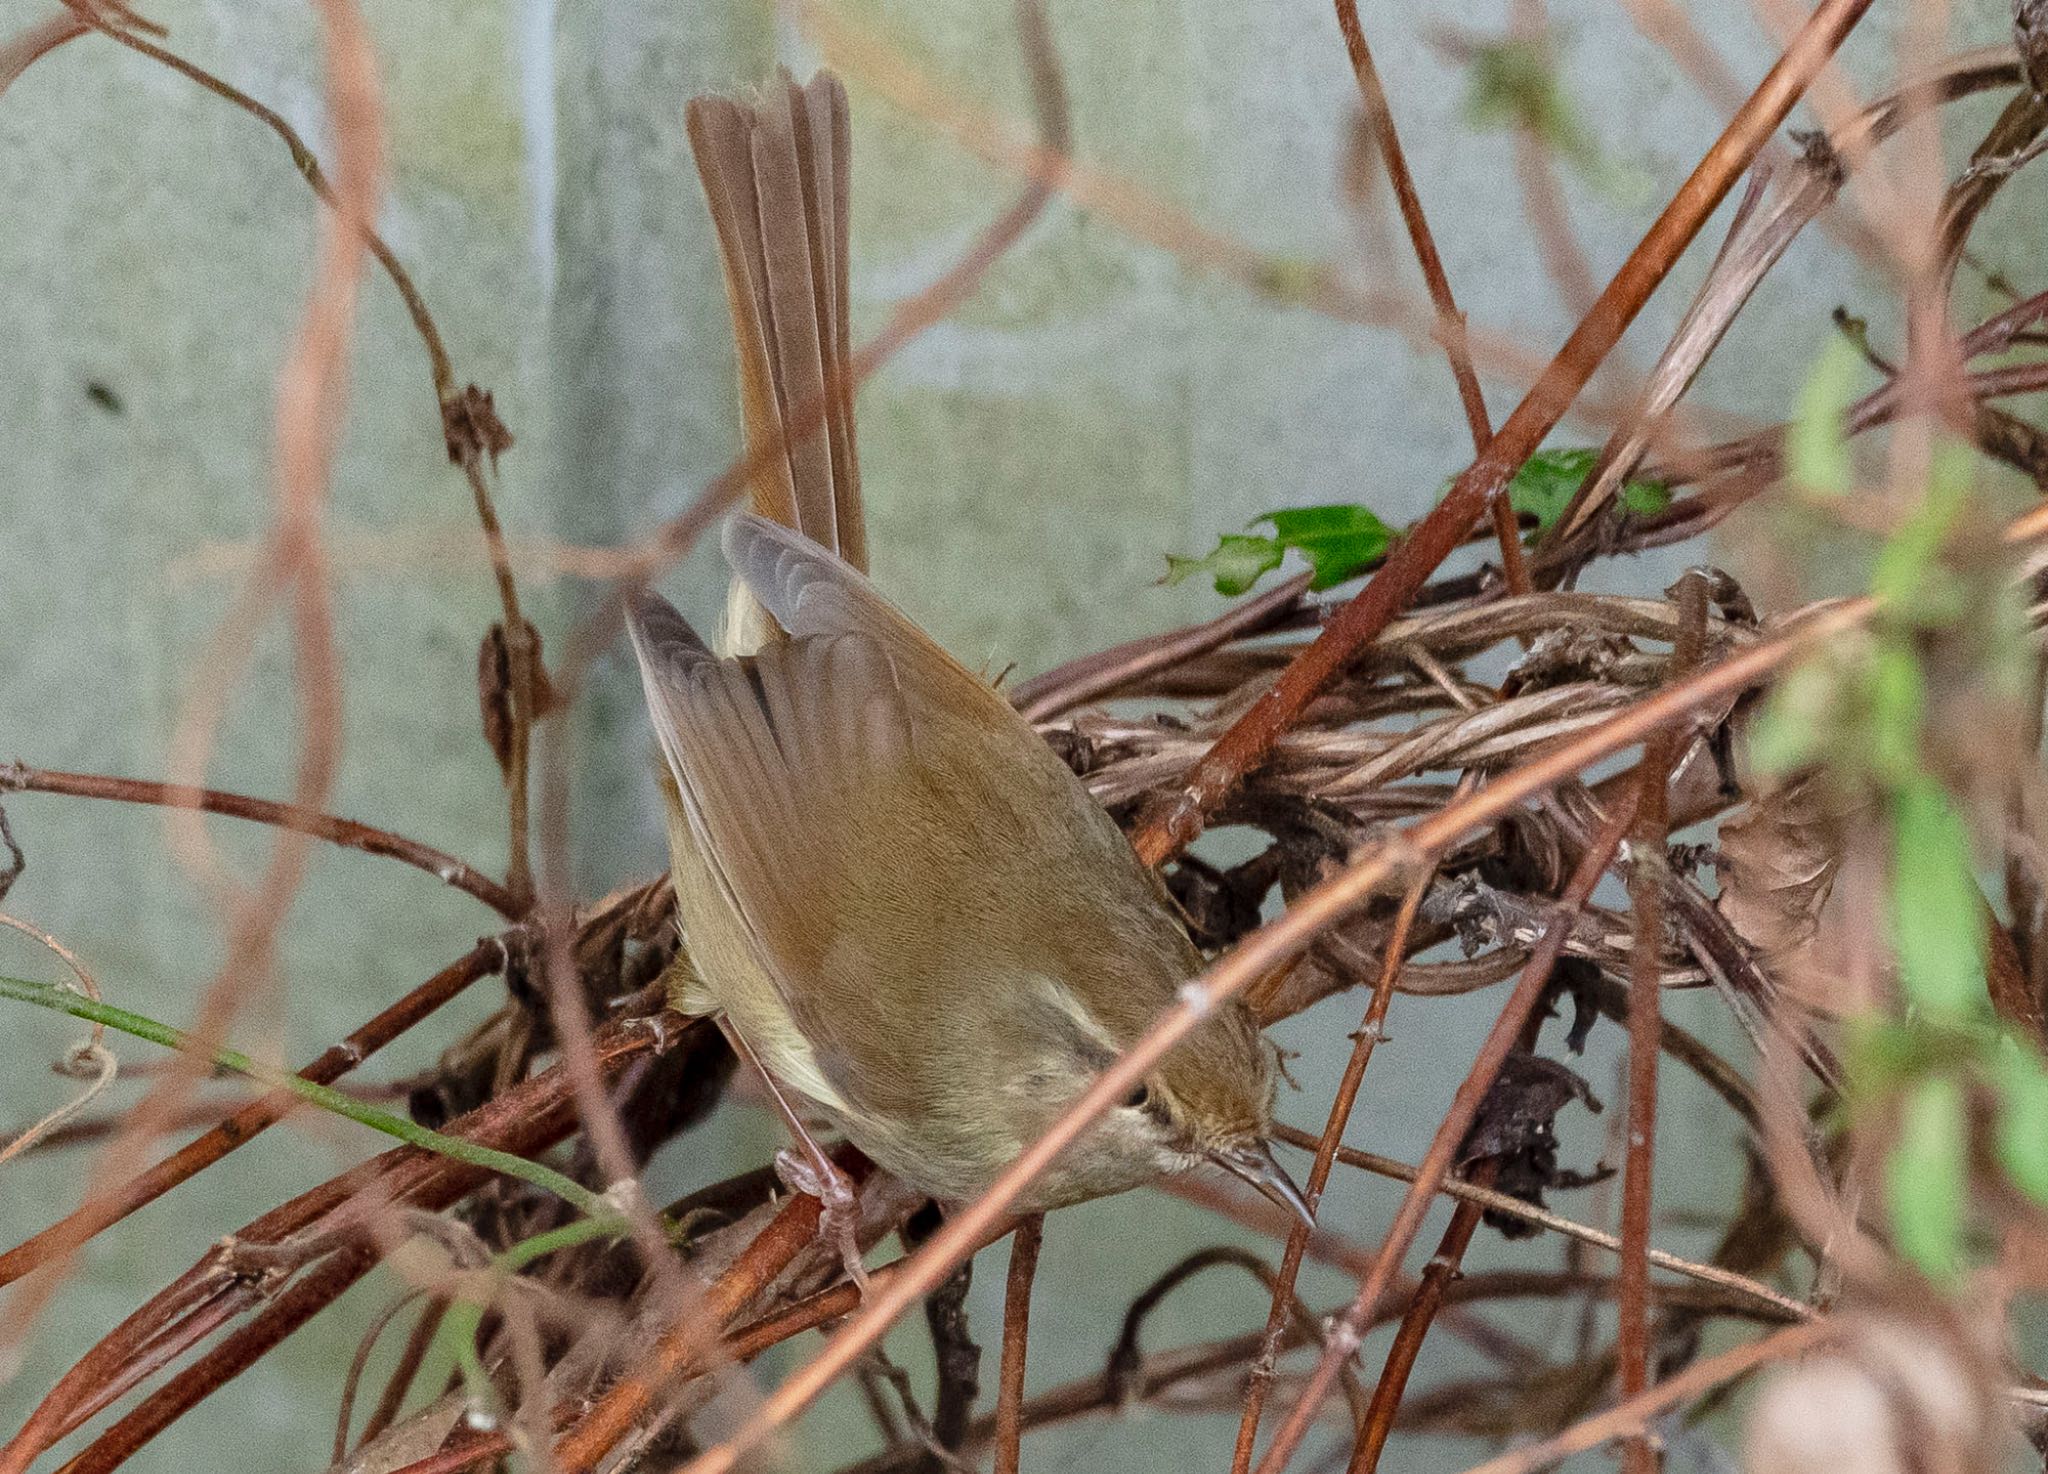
{"x":1636,"y":1413}
{"x":1498,"y":1202}
{"x":348,"y":833}
{"x":1024,"y":1246}
{"x":1175,"y":820}
{"x":1370,"y":1031}
{"x":1347,"y":1332}
{"x":1442,"y":1269}
{"x":1450,"y":322}
{"x":91,"y":1060}
{"x":1647,"y":880}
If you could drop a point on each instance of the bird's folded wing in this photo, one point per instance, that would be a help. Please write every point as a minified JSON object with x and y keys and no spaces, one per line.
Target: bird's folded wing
{"x":787,"y":763}
{"x":811,"y":593}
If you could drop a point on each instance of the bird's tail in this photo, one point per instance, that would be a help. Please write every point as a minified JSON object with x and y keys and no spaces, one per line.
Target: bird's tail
{"x":775,"y":173}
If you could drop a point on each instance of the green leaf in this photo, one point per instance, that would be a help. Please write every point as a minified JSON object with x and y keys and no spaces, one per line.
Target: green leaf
{"x":1894,"y":702}
{"x":2022,"y":1138}
{"x":1927,"y":1180}
{"x":1339,"y":542}
{"x":1908,"y":577}
{"x":1514,"y":85}
{"x":1237,"y":563}
{"x":1342,"y":540}
{"x":1937,"y":922}
{"x":1817,"y":444}
{"x":1549,"y":479}
{"x":1793,"y":728}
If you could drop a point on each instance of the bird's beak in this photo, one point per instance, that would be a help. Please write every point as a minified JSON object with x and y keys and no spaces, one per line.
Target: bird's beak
{"x":1255,"y":1164}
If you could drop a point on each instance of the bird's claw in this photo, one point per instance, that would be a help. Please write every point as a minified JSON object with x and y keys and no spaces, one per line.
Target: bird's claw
{"x":839,"y":1222}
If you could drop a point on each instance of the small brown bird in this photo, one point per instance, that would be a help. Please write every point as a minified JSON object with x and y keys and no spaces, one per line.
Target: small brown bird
{"x":903,"y":907}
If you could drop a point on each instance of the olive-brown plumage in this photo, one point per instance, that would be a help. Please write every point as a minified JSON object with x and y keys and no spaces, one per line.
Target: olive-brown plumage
{"x":892,"y":890}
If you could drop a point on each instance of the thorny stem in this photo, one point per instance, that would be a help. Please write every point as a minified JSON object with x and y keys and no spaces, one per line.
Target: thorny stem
{"x":348,"y":833}
{"x":1024,"y":1246}
{"x":1443,"y":1267}
{"x":1350,"y":1328}
{"x":1174,"y":822}
{"x":1363,"y":1043}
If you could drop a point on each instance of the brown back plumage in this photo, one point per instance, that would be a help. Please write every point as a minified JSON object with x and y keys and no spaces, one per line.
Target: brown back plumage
{"x":775,"y":173}
{"x":893,"y":891}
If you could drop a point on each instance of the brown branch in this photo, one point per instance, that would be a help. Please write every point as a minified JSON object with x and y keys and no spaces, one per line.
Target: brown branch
{"x":469,"y":422}
{"x":26,"y":47}
{"x":1253,"y":958}
{"x":1024,"y":1246}
{"x":307,"y":1297}
{"x":1350,"y":1328}
{"x":631,"y":1398}
{"x":1441,"y":1271}
{"x":1450,"y":322}
{"x":1636,"y":1413}
{"x":103,"y":1210}
{"x":348,"y":833}
{"x":527,"y":1119}
{"x":1647,"y":866}
{"x":1364,"y":1041}
{"x":1175,"y":821}
{"x":1092,"y":677}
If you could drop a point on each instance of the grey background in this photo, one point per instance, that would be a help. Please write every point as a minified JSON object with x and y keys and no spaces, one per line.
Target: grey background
{"x":1098,"y":404}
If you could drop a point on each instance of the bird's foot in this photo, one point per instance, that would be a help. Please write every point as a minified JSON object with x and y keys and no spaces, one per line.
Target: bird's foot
{"x":814,"y":1173}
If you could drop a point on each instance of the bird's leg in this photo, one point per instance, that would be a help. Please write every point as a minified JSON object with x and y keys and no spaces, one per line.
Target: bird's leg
{"x":808,"y":1169}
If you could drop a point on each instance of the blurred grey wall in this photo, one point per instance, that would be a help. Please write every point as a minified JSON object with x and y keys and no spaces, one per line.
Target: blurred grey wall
{"x":1098,"y":404}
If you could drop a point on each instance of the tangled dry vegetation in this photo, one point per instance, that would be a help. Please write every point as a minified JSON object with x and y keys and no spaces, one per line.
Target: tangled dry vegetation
{"x":1427,"y":828}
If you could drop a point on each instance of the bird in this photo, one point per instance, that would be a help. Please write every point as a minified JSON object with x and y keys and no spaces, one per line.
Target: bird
{"x":908,"y":914}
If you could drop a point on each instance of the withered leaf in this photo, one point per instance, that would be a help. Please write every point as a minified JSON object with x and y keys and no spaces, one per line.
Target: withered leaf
{"x":494,"y":690}
{"x":472,"y":429}
{"x":1776,"y":864}
{"x":1516,"y":1126}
